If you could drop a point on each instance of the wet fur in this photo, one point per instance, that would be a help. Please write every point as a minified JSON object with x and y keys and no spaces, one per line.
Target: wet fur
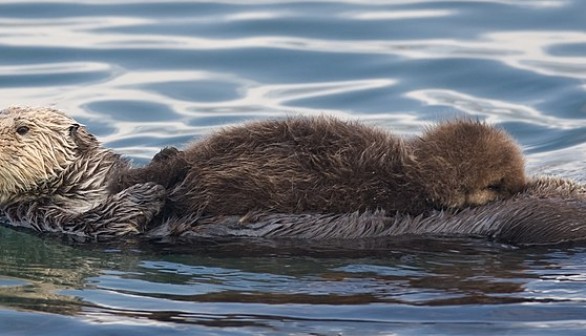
{"x":331,"y":166}
{"x":550,"y":211}
{"x":54,"y":174}
{"x":72,"y":195}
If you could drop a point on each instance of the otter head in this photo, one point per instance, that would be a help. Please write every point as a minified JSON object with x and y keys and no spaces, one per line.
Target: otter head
{"x":36,"y":144}
{"x":466,"y":163}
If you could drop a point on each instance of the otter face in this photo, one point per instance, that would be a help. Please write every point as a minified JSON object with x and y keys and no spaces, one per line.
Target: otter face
{"x":466,"y":163}
{"x":35,"y":145}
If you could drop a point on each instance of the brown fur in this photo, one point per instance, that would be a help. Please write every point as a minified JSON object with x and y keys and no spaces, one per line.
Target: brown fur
{"x":549,"y":211}
{"x":53,"y":177}
{"x":468,"y":163}
{"x":331,"y":166}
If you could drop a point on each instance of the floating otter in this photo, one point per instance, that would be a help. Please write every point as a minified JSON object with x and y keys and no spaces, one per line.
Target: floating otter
{"x":549,"y":211}
{"x":326,"y":165}
{"x":53,"y":177}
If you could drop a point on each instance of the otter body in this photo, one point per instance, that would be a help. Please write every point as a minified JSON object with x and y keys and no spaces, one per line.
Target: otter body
{"x":549,"y":211}
{"x":55,"y":176}
{"x":326,"y":165}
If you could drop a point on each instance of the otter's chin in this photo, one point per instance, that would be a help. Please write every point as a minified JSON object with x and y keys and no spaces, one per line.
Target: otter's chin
{"x":453,"y":202}
{"x":470,"y":199}
{"x":9,"y":188}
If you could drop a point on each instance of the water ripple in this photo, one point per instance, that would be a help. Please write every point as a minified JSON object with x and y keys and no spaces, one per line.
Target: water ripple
{"x":493,"y":111}
{"x":143,"y":74}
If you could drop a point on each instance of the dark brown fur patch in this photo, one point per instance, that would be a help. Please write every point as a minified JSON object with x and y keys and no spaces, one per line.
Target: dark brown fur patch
{"x":299,"y":164}
{"x":549,"y":211}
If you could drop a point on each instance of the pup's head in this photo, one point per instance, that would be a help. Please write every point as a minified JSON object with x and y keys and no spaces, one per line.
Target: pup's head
{"x":468,"y":163}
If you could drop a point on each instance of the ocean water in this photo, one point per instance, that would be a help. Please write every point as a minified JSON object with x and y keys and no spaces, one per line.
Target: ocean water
{"x":147,"y":74}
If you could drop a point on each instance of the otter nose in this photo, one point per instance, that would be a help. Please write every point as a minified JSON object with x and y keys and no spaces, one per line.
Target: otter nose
{"x":480,"y":197}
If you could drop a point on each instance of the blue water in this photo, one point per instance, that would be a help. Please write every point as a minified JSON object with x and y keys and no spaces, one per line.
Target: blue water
{"x":146,"y":74}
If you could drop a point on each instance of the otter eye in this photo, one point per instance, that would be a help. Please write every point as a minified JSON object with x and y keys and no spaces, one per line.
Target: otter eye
{"x":496,"y":186}
{"x":22,"y":130}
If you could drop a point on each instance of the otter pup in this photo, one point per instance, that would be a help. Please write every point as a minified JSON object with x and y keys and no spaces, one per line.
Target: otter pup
{"x":54,"y":174}
{"x":325,"y":165}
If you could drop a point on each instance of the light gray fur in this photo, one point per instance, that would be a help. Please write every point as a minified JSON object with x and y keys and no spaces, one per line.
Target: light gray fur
{"x":71,"y":196}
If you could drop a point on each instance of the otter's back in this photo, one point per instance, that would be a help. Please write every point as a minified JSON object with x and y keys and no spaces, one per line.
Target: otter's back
{"x":299,"y":164}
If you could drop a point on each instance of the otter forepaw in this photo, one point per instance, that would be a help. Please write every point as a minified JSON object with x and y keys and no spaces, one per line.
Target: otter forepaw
{"x":142,"y":202}
{"x":148,"y":192}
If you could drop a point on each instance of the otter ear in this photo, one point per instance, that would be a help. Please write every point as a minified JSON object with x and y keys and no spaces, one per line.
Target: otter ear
{"x":73,"y":128}
{"x":82,"y":138}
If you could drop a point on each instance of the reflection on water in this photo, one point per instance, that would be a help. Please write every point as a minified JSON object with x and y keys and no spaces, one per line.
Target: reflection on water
{"x":213,"y":287}
{"x":147,"y":74}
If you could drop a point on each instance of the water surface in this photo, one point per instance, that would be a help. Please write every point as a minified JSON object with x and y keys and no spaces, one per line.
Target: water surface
{"x":147,"y":74}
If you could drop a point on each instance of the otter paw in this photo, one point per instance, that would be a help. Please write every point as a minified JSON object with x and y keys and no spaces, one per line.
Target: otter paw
{"x":149,"y":194}
{"x":142,"y":202}
{"x":165,"y":154}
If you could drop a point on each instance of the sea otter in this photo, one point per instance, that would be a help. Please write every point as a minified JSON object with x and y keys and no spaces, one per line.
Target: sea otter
{"x":53,"y":177}
{"x":54,"y":173}
{"x":549,"y":211}
{"x":325,"y":165}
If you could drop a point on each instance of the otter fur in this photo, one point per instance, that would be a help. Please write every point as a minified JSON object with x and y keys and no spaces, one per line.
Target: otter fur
{"x":326,"y":165}
{"x":549,"y":211}
{"x":54,"y":176}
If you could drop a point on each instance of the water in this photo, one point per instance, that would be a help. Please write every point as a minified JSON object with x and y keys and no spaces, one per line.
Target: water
{"x":145,"y":74}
